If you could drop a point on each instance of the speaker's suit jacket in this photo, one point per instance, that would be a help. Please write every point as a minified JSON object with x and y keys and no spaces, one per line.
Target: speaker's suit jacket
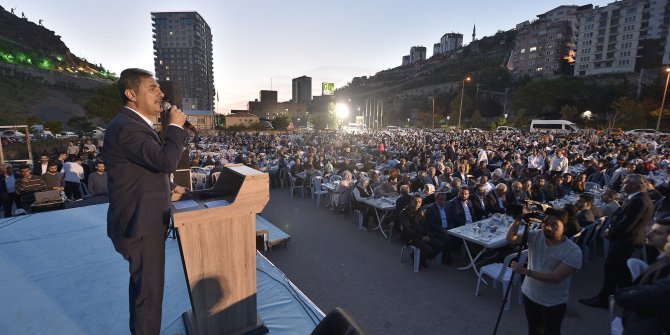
{"x":138,"y":165}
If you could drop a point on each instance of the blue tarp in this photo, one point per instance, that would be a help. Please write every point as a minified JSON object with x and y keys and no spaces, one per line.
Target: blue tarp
{"x":60,"y":274}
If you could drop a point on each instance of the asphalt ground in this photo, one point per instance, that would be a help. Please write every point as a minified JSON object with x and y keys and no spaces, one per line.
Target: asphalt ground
{"x":337,"y":265}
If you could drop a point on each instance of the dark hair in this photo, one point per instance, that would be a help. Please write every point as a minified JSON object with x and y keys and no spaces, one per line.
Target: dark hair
{"x":52,"y":163}
{"x":24,"y":166}
{"x":560,"y":214}
{"x":130,"y":79}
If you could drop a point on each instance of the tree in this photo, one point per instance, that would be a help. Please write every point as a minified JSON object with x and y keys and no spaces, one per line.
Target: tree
{"x":569,"y":112}
{"x":80,"y":123}
{"x":323,"y":120}
{"x":54,"y":126}
{"x":521,"y":118}
{"x":103,"y":103}
{"x":281,"y":122}
{"x":33,"y":120}
{"x":626,"y":109}
{"x":476,"y":120}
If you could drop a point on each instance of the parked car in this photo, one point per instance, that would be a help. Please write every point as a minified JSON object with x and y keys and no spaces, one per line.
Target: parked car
{"x":506,"y":129}
{"x":66,"y":134}
{"x":474,"y":130}
{"x":13,"y":133}
{"x":644,"y":132}
{"x":610,"y":131}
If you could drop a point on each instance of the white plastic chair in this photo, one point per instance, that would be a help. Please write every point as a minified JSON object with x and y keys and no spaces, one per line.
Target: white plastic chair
{"x":636,"y":266}
{"x":616,"y":325}
{"x":590,"y":185}
{"x":283,"y":176}
{"x":293,"y":181}
{"x":501,"y":272}
{"x":413,"y":251}
{"x":335,"y":177}
{"x":317,"y":191}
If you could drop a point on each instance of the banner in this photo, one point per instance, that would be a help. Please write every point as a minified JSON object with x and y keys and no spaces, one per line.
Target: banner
{"x":327,"y":88}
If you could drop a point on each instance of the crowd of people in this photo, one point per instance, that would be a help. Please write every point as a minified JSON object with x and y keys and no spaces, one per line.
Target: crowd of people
{"x":71,"y":170}
{"x":448,"y":179}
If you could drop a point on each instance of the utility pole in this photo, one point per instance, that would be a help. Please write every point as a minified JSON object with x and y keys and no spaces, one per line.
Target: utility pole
{"x":433,"y":124}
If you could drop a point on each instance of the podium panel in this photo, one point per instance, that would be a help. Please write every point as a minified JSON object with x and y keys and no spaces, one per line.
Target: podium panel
{"x":217,"y":240}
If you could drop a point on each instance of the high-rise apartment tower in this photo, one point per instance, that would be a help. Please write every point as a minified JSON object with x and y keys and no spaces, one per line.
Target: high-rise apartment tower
{"x":183,"y":54}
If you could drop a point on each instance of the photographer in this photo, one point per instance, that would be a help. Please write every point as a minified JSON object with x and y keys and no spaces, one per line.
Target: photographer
{"x":552,"y":259}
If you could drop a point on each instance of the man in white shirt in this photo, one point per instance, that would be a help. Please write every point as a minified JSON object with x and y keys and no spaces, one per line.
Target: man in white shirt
{"x":535,"y":163}
{"x":559,"y":164}
{"x":73,"y":174}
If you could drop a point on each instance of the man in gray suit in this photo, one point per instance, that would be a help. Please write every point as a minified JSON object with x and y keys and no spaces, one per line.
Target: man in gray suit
{"x":138,"y":164}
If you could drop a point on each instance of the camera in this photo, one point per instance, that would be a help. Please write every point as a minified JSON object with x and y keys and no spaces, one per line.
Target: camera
{"x":531,"y":211}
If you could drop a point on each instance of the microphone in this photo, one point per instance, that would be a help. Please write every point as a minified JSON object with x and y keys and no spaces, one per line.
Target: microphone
{"x":166,"y":108}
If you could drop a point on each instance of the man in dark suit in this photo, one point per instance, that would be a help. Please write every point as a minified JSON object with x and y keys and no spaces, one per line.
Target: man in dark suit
{"x":451,"y":151}
{"x":41,"y":167}
{"x":460,"y":209}
{"x":437,"y":225}
{"x":626,"y":232}
{"x":496,"y":200}
{"x":138,"y":166}
{"x":478,"y":200}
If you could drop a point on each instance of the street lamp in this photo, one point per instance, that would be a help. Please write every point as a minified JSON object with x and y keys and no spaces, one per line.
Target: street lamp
{"x":665,"y":90}
{"x":342,"y":112}
{"x":460,"y":109}
{"x":587,"y":115}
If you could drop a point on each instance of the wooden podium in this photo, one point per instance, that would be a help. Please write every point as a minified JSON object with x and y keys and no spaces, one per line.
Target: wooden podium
{"x":218,"y":251}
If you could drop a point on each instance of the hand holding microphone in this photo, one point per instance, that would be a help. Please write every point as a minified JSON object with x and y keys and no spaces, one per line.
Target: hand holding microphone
{"x":177,"y":117}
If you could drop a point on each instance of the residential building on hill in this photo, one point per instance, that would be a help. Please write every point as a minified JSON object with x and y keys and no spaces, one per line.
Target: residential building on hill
{"x":448,"y":42}
{"x":546,"y":46}
{"x":416,"y":54}
{"x":183,"y":53}
{"x":610,"y":37}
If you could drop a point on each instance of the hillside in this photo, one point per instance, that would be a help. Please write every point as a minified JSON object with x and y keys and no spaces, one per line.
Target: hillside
{"x":39,"y":76}
{"x":407,"y":90}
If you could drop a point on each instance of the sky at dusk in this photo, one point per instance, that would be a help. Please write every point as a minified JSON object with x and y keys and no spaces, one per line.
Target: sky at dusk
{"x":263,"y":44}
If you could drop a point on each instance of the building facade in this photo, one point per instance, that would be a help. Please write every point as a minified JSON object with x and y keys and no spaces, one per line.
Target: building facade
{"x":448,"y":42}
{"x":183,"y":53}
{"x":200,"y":119}
{"x":241,"y":119}
{"x":546,"y":46}
{"x":417,"y":54}
{"x":609,"y":37}
{"x":302,"y":90}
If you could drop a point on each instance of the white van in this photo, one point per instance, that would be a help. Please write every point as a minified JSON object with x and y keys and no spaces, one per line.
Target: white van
{"x":355,"y":128}
{"x":392,"y":129}
{"x":553,"y":126}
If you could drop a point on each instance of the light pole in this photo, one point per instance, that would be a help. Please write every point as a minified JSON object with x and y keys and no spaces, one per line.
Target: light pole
{"x":665,"y":90}
{"x":433,"y":124}
{"x":460,"y":109}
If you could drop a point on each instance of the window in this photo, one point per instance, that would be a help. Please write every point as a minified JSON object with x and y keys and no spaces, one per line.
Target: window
{"x":532,"y":49}
{"x":523,"y":50}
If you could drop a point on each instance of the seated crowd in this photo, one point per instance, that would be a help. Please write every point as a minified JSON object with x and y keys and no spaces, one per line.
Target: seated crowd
{"x":68,"y":172}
